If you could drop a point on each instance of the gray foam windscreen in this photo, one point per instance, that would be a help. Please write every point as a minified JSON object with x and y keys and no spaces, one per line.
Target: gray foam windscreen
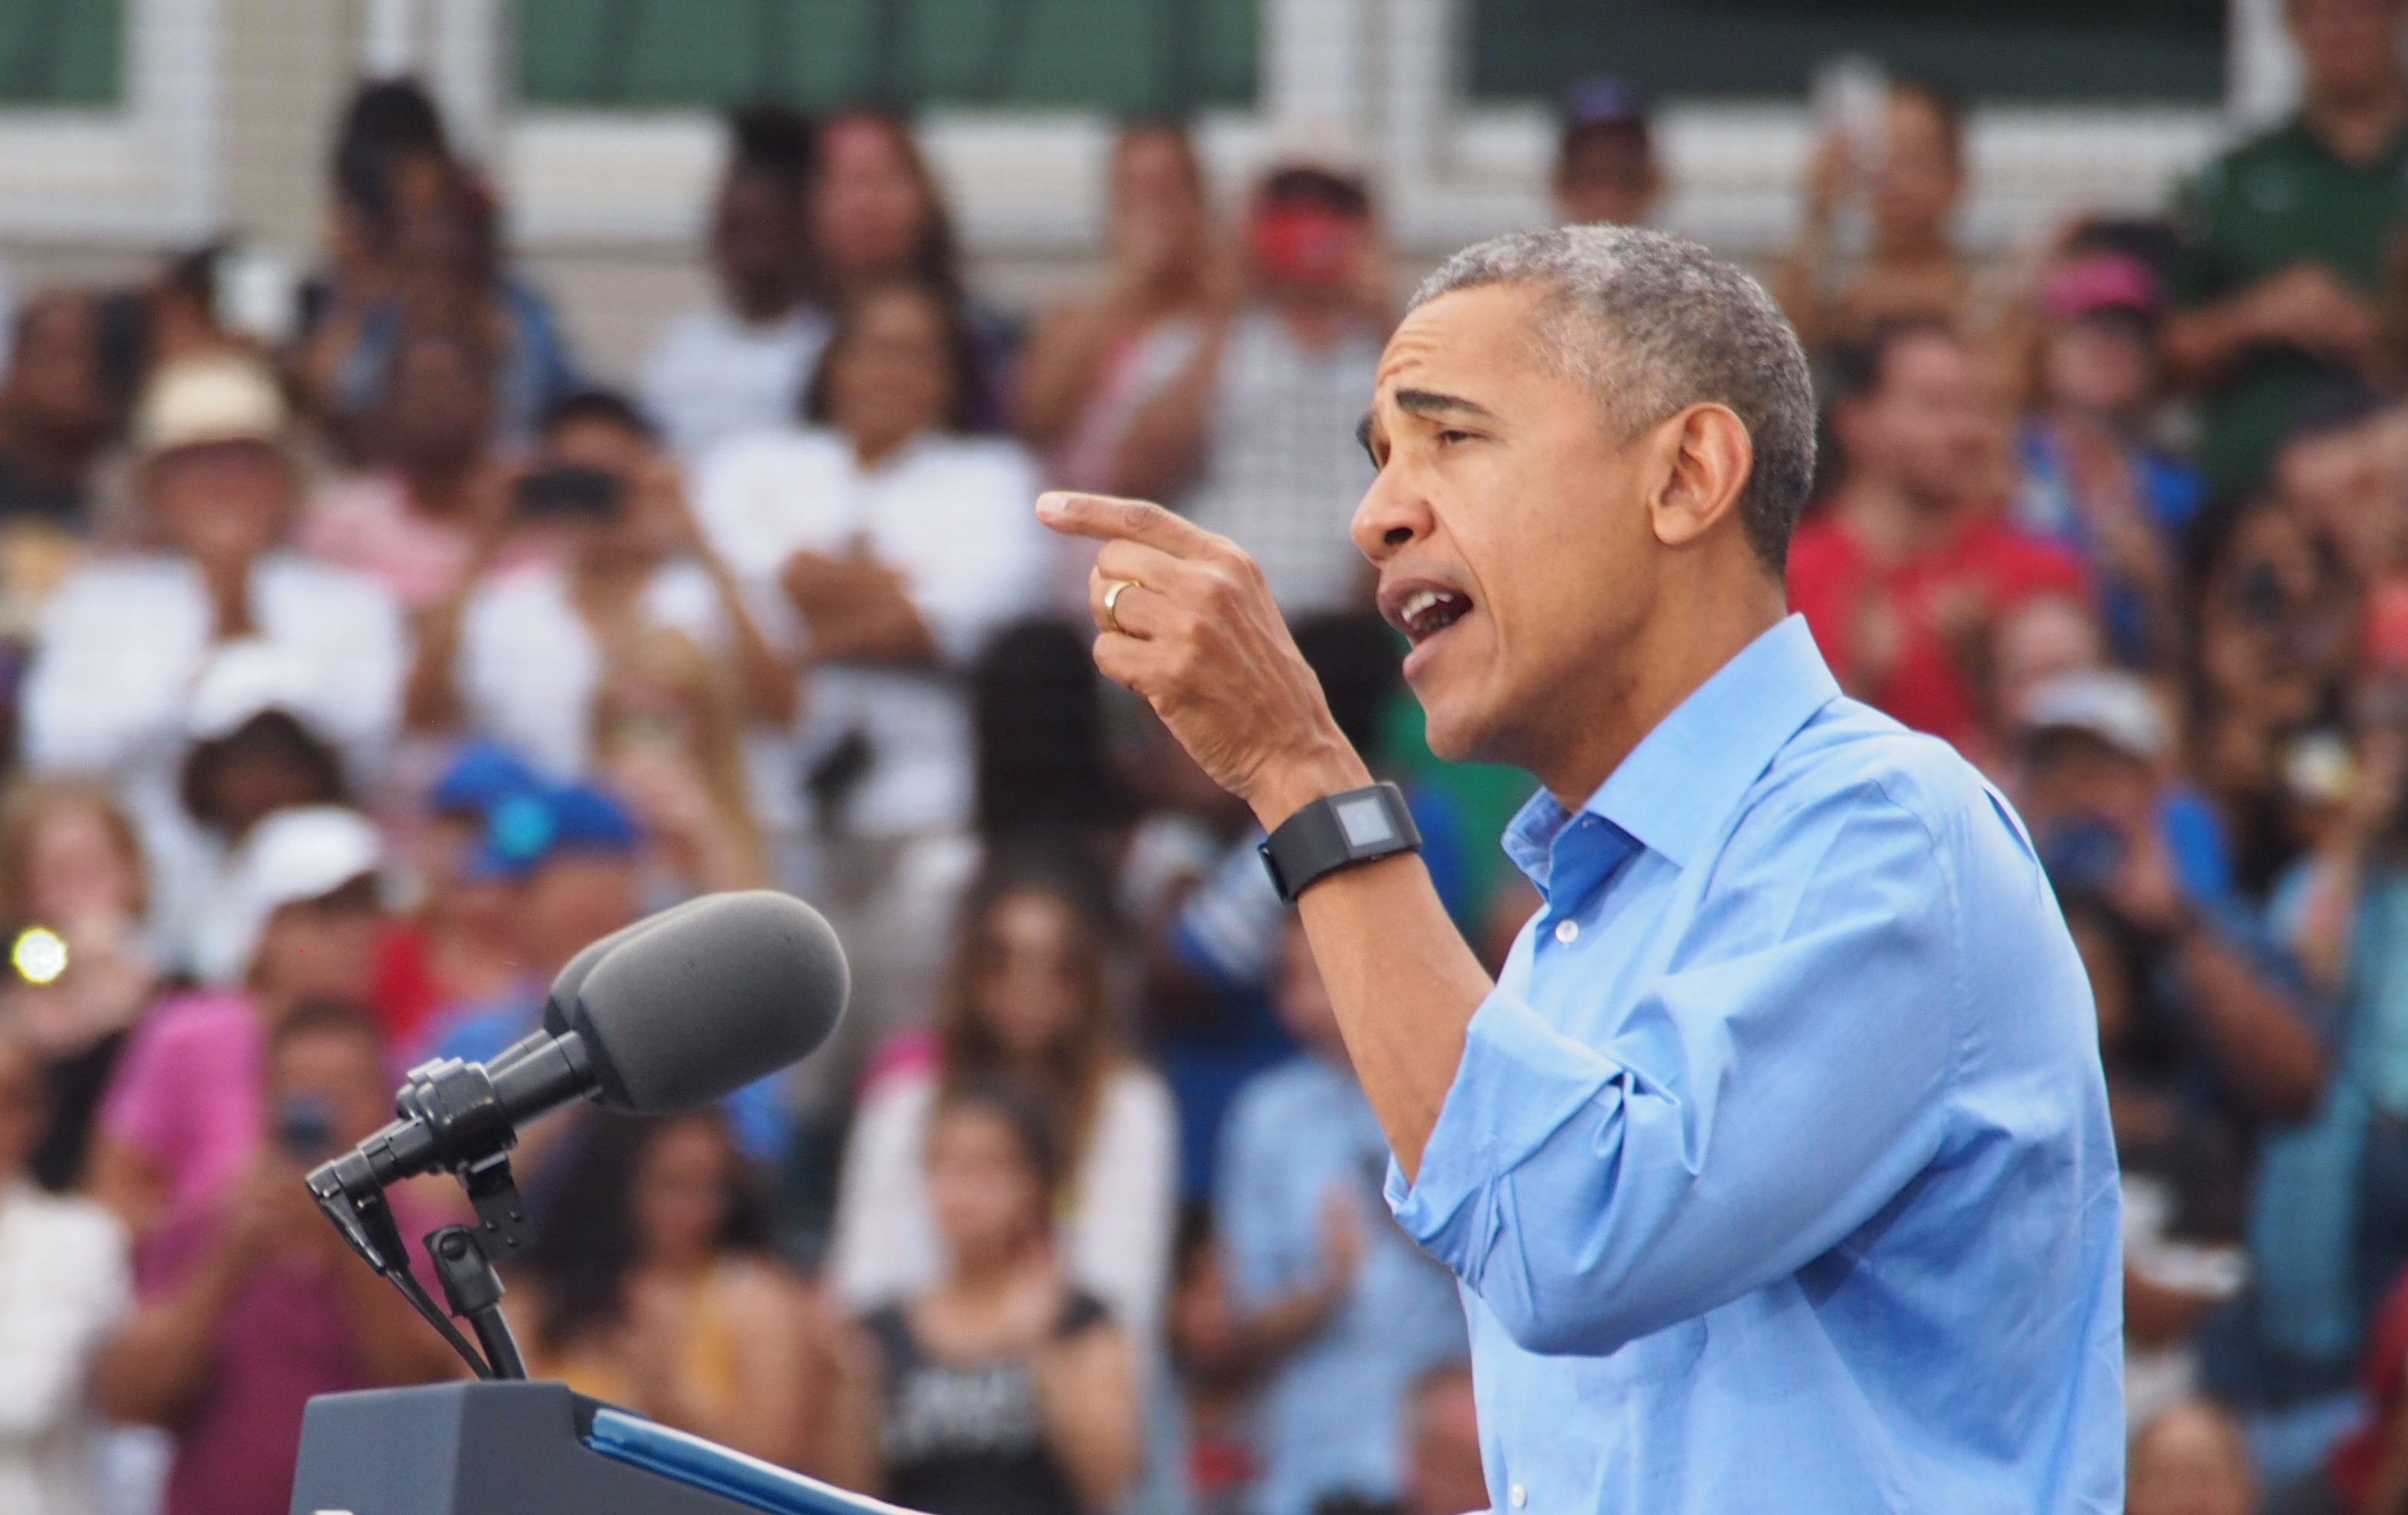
{"x":571,"y":981}
{"x":708,"y":997}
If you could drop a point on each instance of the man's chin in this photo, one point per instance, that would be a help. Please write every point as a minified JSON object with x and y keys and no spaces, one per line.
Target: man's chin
{"x":1453,"y":728}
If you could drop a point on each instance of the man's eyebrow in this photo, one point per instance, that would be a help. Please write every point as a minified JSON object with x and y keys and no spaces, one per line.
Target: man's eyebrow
{"x":1430,"y":403}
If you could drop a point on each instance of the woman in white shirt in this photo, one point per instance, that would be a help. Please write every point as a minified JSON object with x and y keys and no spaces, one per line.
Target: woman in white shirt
{"x":1029,"y":1002}
{"x":64,"y":1284}
{"x":895,"y":543}
{"x":889,"y":543}
{"x":518,"y":652}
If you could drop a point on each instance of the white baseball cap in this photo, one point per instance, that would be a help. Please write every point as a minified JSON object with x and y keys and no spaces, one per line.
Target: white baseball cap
{"x":243,"y":679}
{"x":2117,"y":709}
{"x":302,"y":853}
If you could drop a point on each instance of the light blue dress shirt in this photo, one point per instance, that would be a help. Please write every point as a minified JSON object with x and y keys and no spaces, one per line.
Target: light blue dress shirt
{"x":1777,"y":1173}
{"x":1331,"y":1414}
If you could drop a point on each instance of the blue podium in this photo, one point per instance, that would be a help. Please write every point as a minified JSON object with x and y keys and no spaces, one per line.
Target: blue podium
{"x":505,"y":1447}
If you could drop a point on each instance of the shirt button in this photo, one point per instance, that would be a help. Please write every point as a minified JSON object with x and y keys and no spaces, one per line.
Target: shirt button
{"x":1520,"y":1495}
{"x":1566,"y":932}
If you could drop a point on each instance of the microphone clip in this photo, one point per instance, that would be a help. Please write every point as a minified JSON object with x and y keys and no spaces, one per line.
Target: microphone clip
{"x":466,"y":1123}
{"x":451,"y":1118}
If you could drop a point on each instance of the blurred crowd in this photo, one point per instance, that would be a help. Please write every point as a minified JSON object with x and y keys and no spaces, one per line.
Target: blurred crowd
{"x":351,"y":684}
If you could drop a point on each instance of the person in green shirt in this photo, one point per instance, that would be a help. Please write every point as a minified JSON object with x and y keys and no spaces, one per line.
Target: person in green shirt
{"x":2285,"y":233}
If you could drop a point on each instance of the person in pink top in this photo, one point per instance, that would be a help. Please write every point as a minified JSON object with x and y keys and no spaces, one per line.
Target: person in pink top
{"x":251,"y":1305}
{"x":181,"y":1123}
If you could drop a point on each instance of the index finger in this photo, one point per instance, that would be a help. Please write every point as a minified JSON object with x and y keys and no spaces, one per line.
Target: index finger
{"x":1106,"y":519}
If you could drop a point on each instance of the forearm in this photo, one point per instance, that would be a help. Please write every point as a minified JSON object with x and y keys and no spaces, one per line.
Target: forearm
{"x":395,"y":1347}
{"x":2157,"y":1316}
{"x":2199,"y":344}
{"x":765,"y":678}
{"x":845,"y":1451}
{"x":1402,"y":979}
{"x":1798,"y":279}
{"x":2328,"y":929}
{"x":1160,"y":447}
{"x":894,"y":634}
{"x":1089,"y":1407}
{"x":125,"y":1182}
{"x":2275,"y":1063}
{"x":1058,"y":372}
{"x":430,"y":698}
{"x":724,"y":860}
{"x":1285,"y":1323}
{"x":159,"y":1361}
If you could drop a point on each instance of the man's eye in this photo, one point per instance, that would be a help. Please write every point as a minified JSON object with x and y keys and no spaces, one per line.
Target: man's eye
{"x":1448,"y":438}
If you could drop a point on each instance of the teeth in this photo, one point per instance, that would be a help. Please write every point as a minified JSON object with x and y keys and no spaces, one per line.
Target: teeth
{"x":1422,"y":600}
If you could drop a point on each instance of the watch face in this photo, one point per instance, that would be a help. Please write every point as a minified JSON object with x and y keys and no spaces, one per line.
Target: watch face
{"x":1364,"y":820}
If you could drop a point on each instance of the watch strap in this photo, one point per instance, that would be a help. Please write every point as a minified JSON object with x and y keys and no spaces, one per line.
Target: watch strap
{"x":1337,"y":830}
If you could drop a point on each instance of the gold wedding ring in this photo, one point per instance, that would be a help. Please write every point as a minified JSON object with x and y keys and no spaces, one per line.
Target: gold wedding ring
{"x":1113,"y":603}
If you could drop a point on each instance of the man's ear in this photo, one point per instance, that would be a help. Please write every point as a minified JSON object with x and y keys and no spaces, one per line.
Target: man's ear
{"x":1706,"y":457}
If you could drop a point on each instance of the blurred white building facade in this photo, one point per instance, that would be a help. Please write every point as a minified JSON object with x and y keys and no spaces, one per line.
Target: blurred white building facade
{"x":221,"y":110}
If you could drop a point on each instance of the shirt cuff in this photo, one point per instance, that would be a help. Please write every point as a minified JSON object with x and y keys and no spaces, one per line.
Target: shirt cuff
{"x":1520,"y":1081}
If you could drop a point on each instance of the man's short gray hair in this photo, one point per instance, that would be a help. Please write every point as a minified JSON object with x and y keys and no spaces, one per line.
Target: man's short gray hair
{"x":1653,"y":324}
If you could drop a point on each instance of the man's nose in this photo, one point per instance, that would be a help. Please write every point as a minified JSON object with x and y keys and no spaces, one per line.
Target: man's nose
{"x":1392,"y":514}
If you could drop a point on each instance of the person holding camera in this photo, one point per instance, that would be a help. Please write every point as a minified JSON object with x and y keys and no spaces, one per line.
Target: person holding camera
{"x":518,"y":652}
{"x":179,"y":1122}
{"x":1254,"y":438}
{"x":2207,"y":1038}
{"x":252,"y":1305}
{"x":2340,"y":1181}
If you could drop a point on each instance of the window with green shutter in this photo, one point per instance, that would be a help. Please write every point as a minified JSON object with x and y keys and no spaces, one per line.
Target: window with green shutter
{"x":62,"y":52}
{"x":2125,"y":51}
{"x":1119,"y":56}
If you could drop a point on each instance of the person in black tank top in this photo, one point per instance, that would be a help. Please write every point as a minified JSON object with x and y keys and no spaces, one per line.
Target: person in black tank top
{"x":1004,"y":1390}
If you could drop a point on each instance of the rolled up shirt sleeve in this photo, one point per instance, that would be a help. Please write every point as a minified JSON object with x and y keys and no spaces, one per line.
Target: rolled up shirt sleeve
{"x":1733,"y":1119}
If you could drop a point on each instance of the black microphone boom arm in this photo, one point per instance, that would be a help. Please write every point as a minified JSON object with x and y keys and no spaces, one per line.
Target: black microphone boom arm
{"x":458,"y":1118}
{"x":668,"y":1014}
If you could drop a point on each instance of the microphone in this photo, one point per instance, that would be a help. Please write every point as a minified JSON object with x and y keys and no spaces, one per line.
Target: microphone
{"x":666,"y":1015}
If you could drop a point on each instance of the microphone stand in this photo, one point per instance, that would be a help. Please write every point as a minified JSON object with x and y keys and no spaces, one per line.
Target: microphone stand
{"x":452,"y":1106}
{"x":473,"y":1288}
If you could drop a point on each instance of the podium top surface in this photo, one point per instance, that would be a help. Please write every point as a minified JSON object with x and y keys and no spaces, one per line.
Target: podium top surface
{"x":520,"y":1447}
{"x":705,"y":1465}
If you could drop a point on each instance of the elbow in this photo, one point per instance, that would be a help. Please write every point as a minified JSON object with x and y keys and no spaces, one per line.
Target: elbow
{"x":2294,"y":1093}
{"x":1564,"y":1321}
{"x":121,"y":1392}
{"x":1547,"y":1334}
{"x":1577,"y":1304}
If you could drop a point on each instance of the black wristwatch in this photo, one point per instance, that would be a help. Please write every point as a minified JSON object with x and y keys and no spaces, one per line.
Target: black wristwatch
{"x":1337,"y":830}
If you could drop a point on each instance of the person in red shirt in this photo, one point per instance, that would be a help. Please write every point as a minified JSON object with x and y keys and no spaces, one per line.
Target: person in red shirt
{"x":2368,"y":1471}
{"x":1906,"y":568}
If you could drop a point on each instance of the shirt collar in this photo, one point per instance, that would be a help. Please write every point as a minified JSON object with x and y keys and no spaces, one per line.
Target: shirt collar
{"x":1671,"y":793}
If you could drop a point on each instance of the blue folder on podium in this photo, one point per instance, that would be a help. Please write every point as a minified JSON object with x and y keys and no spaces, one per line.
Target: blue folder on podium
{"x":520,"y":1447}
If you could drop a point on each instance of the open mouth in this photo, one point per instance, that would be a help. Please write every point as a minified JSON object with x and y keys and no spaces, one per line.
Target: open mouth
{"x":1425,"y":612}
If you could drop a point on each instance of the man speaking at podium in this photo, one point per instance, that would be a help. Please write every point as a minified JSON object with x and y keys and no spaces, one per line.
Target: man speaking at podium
{"x":1776,"y":1166}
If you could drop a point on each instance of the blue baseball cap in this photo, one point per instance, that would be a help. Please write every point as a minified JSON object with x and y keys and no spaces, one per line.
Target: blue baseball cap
{"x":1603,"y":100}
{"x":527,"y":829}
{"x":483,"y":775}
